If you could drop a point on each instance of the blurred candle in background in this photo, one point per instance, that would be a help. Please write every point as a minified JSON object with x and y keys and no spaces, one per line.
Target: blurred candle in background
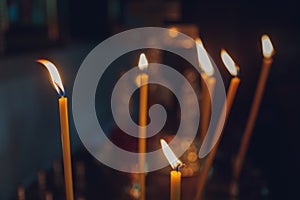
{"x":231,"y":93}
{"x":207,"y":87}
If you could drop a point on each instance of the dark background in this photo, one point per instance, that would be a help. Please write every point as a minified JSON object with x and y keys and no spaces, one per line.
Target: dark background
{"x":29,"y":127}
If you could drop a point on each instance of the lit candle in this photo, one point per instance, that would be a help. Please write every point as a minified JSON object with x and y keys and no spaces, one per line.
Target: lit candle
{"x":208,"y":84}
{"x":175,"y":174}
{"x":234,"y":83}
{"x":268,"y":52}
{"x":64,"y":125}
{"x":143,"y":65}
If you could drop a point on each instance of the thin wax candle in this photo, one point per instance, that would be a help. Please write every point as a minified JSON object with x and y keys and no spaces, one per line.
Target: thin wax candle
{"x":234,"y":70}
{"x":143,"y":64}
{"x":207,"y":86}
{"x":175,"y":174}
{"x":268,"y":52}
{"x":64,"y":125}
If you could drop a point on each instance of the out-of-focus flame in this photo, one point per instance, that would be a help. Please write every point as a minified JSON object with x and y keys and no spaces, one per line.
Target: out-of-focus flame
{"x":267,"y":46}
{"x":229,"y":63}
{"x":173,"y":32}
{"x":55,"y":77}
{"x":173,"y":160}
{"x":143,"y":63}
{"x":203,"y":58}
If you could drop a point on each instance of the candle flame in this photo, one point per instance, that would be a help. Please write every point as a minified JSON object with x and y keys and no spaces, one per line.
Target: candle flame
{"x":229,"y":63}
{"x":55,"y":77}
{"x":143,"y":63}
{"x":203,"y":58}
{"x":173,"y":160}
{"x":267,"y":46}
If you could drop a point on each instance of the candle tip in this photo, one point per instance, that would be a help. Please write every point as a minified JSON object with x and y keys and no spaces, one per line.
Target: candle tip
{"x":143,"y":62}
{"x":267,"y":46}
{"x":229,"y":63}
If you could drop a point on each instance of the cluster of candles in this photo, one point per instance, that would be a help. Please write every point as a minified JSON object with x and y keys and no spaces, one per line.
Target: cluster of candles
{"x":208,"y":82}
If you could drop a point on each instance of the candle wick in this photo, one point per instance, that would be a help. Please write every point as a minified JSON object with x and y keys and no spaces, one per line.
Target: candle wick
{"x":144,"y":71}
{"x":61,"y":92}
{"x":179,"y":166}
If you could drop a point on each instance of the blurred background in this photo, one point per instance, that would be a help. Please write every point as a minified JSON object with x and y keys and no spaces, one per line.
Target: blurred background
{"x":66,"y":31}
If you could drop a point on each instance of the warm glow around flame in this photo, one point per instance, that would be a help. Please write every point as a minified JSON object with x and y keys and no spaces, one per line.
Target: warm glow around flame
{"x":173,"y":160}
{"x":56,"y":80}
{"x":143,"y":63}
{"x":267,"y":46}
{"x":229,"y":63}
{"x":173,"y":32}
{"x":203,"y":58}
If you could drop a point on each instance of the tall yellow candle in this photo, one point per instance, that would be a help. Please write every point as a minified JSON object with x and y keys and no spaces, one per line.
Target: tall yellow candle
{"x":175,"y":174}
{"x":208,"y":84}
{"x":175,"y":185}
{"x":64,"y":124}
{"x":143,"y":64}
{"x":268,"y":52}
{"x":65,"y":138}
{"x":234,"y":83}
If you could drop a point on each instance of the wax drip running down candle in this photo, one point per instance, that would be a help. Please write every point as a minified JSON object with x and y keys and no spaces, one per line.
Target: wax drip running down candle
{"x":234,"y":83}
{"x":175,"y":174}
{"x":64,"y":124}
